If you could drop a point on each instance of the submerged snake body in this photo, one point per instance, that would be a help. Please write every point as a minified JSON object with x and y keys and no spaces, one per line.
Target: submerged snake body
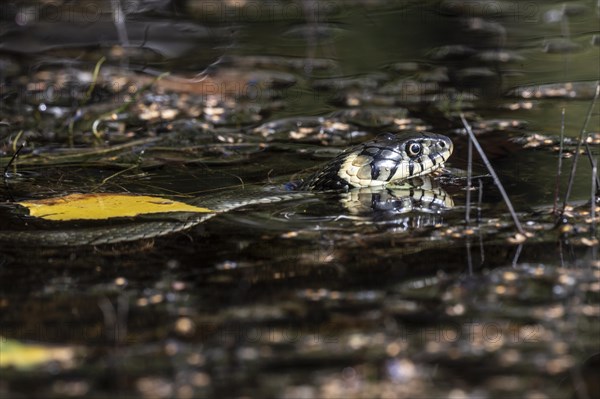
{"x":360,"y":170}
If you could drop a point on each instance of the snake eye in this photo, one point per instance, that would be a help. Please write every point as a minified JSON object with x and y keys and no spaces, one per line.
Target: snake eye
{"x":442,"y":144}
{"x":413,"y":149}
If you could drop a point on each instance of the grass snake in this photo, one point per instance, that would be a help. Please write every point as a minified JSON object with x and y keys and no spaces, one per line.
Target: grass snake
{"x":390,"y":172}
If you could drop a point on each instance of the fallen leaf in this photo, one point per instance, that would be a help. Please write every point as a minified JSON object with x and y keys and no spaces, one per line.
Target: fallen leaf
{"x":104,"y":206}
{"x":24,"y":356}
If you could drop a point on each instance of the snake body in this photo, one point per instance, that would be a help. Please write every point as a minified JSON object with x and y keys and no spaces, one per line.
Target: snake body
{"x":362,"y":171}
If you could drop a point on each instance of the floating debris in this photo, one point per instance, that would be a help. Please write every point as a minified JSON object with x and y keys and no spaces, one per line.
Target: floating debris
{"x":451,"y":52}
{"x":560,"y":46}
{"x":568,"y":90}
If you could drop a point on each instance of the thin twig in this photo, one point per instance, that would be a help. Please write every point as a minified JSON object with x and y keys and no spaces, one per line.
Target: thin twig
{"x":561,"y":254}
{"x":515,"y":260}
{"x":578,"y":149}
{"x":593,"y":196}
{"x":469,"y":257}
{"x":560,"y":157}
{"x":119,"y":19}
{"x":479,"y":200}
{"x":481,"y":249}
{"x":83,"y":154}
{"x":12,"y":159}
{"x":488,"y":165}
{"x":137,"y":164}
{"x":469,"y":176}
{"x":115,"y":318}
{"x":5,"y":176}
{"x":588,"y":151}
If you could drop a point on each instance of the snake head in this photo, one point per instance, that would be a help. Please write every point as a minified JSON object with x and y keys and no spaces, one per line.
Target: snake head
{"x":390,"y":158}
{"x":387,"y":158}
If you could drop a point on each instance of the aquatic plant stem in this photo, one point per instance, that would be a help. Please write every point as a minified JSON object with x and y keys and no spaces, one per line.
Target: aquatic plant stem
{"x":479,"y":207}
{"x":115,"y":318}
{"x":588,"y":151}
{"x":560,"y":156}
{"x":5,"y":175}
{"x":88,"y":94}
{"x":488,"y":165}
{"x":578,"y":149}
{"x":479,"y":200}
{"x":119,"y":21}
{"x":469,"y":257}
{"x":593,"y":196}
{"x":16,"y":140}
{"x":515,"y":260}
{"x":13,"y":159}
{"x":469,"y":176}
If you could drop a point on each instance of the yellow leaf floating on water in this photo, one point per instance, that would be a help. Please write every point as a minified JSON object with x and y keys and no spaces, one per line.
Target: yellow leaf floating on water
{"x":104,"y":206}
{"x":24,"y":356}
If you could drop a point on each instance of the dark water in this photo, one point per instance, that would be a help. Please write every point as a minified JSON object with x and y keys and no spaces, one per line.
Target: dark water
{"x":306,"y":297}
